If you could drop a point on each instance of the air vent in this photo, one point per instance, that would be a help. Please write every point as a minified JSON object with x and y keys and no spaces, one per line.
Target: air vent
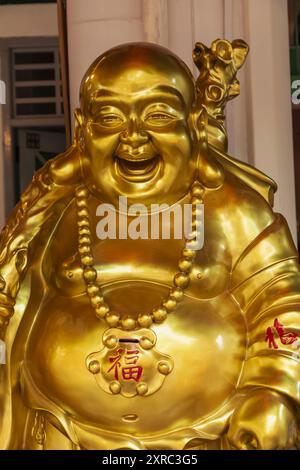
{"x":37,"y":90}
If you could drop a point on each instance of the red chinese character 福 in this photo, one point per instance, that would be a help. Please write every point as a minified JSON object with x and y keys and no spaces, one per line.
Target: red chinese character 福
{"x":126,"y":357}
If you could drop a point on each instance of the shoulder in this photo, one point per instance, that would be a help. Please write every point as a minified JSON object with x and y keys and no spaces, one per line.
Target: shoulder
{"x":238,"y":212}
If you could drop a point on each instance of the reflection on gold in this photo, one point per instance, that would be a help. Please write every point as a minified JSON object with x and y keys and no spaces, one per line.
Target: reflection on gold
{"x":219,"y":341}
{"x":148,"y":344}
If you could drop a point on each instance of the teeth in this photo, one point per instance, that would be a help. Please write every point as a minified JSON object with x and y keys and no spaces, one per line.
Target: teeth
{"x":137,"y":170}
{"x":138,"y":167}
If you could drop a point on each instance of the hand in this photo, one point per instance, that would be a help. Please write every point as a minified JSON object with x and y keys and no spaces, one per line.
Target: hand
{"x":264,"y":420}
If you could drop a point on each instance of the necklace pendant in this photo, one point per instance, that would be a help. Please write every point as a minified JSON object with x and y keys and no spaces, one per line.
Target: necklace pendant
{"x":129,"y":364}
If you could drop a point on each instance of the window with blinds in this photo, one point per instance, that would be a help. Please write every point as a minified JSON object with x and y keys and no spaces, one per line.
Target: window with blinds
{"x":294,"y":26}
{"x":37,"y":89}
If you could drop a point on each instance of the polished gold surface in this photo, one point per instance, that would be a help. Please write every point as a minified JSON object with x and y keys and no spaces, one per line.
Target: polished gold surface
{"x":181,"y":279}
{"x":129,"y":365}
{"x":106,"y":349}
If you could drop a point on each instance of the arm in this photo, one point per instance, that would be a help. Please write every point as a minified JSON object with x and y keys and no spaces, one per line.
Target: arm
{"x":28,"y":229}
{"x":39,"y":204}
{"x":266,"y":284}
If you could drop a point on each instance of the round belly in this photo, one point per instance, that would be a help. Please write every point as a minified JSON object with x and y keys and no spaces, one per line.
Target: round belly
{"x":205,"y":340}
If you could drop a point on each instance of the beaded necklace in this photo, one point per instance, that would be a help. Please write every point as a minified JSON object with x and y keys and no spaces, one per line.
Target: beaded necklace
{"x":93,"y":289}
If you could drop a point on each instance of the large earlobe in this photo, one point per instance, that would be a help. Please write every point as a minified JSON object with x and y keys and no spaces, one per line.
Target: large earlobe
{"x":198,"y":117}
{"x":78,"y":119}
{"x":210,"y":172}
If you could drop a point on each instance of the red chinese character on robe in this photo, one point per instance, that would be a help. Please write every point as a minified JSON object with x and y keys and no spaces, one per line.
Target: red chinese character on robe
{"x":127,"y":357}
{"x":132,"y":356}
{"x":115,"y":360}
{"x":134,"y":373}
{"x":285,"y":338}
{"x":270,"y":338}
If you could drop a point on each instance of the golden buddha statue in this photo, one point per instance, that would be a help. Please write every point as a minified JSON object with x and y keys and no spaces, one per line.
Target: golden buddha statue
{"x":123,"y":343}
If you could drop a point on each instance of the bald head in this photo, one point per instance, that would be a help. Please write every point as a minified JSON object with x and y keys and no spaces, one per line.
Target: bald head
{"x":134,"y":68}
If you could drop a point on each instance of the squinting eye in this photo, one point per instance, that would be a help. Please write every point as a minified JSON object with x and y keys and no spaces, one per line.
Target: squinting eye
{"x":110,"y":120}
{"x":159,"y":118}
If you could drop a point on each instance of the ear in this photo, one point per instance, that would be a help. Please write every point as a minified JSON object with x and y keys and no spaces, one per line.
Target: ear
{"x":78,"y":126}
{"x":197,"y":120}
{"x":209,"y":172}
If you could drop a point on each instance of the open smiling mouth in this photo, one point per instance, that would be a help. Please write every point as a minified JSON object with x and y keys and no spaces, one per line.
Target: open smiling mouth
{"x":137,"y":170}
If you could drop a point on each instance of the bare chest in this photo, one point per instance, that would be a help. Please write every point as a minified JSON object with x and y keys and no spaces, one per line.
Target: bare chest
{"x":205,"y":338}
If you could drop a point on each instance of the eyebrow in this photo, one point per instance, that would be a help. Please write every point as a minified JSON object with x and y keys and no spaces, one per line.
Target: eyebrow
{"x":100,"y":96}
{"x":160,"y":88}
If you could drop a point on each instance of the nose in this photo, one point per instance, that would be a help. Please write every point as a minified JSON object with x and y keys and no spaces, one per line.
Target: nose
{"x":133,"y":136}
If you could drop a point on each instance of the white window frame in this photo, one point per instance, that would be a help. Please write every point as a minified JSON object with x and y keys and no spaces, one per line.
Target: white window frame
{"x":9,"y":122}
{"x":57,"y":83}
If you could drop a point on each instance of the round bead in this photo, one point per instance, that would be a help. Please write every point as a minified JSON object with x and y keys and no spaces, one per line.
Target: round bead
{"x":84,"y":222}
{"x":92,"y":289}
{"x":164,"y":368}
{"x":198,"y":191}
{"x":181,"y":280}
{"x":185,"y":264}
{"x":187,"y":253}
{"x":196,"y":200}
{"x":111,"y":341}
{"x":128,"y":323}
{"x":81,"y":192}
{"x":170,"y":304}
{"x":84,"y":249}
{"x":84,"y":240}
{"x":192,"y":235}
{"x":196,"y":211}
{"x":97,"y":301}
{"x":142,"y":388}
{"x":81,"y":203}
{"x":193,"y":244}
{"x":159,"y":314}
{"x":112,"y":319}
{"x":196,"y":224}
{"x":115,"y":387}
{"x":83,"y":213}
{"x":102,"y":311}
{"x":89,"y":274}
{"x":94,"y":367}
{"x":177,"y":294}
{"x":87,"y":260}
{"x":146,"y":343}
{"x":84,"y":231}
{"x":144,"y":320}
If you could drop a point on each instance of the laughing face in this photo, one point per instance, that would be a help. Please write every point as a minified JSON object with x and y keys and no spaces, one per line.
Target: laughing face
{"x":136,"y":127}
